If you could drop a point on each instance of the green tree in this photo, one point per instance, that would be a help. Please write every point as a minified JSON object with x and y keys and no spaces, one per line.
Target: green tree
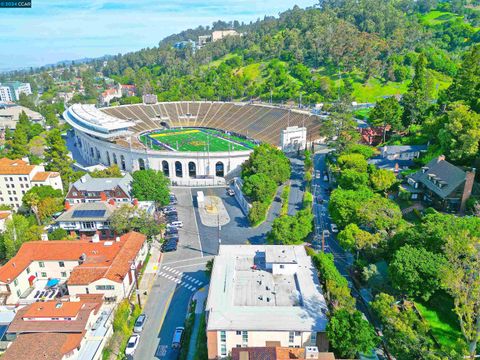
{"x":257,"y":213}
{"x":404,"y":333}
{"x":460,"y":279}
{"x":19,"y":143}
{"x":56,"y":156}
{"x":340,"y":128}
{"x":344,"y":205}
{"x":19,"y":230}
{"x":416,"y":100}
{"x":151,"y":185}
{"x":352,"y":179}
{"x":128,"y":218}
{"x":387,"y":112}
{"x":382,"y":180}
{"x":460,"y":135}
{"x":58,"y":234}
{"x":109,"y":172}
{"x":353,"y":238}
{"x":352,"y":161}
{"x":349,"y":334}
{"x":290,"y":230}
{"x":465,"y":86}
{"x":416,"y":271}
{"x":379,"y":214}
{"x":259,"y":187}
{"x":268,"y":160}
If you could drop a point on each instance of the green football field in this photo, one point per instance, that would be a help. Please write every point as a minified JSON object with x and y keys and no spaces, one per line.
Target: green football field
{"x":193,"y":140}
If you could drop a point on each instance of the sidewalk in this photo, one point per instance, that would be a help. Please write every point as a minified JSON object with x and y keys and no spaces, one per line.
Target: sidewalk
{"x":200,"y":296}
{"x":150,"y":272}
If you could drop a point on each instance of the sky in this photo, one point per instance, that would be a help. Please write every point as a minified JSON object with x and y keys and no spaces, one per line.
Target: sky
{"x":56,"y":30}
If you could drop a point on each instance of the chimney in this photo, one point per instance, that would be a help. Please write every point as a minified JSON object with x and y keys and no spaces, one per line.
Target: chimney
{"x":67,"y":205}
{"x":111,"y":202}
{"x":311,"y":352}
{"x":95,"y":238}
{"x":83,"y":179}
{"x":467,"y":189}
{"x":103,"y":196}
{"x":135,"y":202}
{"x":117,"y":239}
{"x":440,"y":158}
{"x":44,"y":237}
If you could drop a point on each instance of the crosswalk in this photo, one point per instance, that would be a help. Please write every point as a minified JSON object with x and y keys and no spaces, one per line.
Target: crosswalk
{"x":180,"y":278}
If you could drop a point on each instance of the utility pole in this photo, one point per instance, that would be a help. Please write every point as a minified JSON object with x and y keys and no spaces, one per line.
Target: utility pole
{"x":135,"y":274}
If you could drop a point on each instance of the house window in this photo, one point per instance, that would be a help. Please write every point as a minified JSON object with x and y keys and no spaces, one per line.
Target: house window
{"x":282,"y":266}
{"x":18,"y":293}
{"x":223,"y":350}
{"x":223,"y":336}
{"x":61,"y":264}
{"x":41,"y":264}
{"x":44,"y":274}
{"x":64,"y":274}
{"x":15,"y":282}
{"x":28,"y":270}
{"x":239,"y":332}
{"x":297,"y":333}
{"x":105,"y":287}
{"x":291,"y":336}
{"x":245,"y":337}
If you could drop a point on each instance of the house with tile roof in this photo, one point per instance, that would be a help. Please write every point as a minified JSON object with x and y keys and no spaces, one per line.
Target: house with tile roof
{"x":88,"y":266}
{"x":58,"y":329}
{"x":441,"y":185}
{"x":89,"y":189}
{"x":279,"y":353}
{"x":18,"y":176}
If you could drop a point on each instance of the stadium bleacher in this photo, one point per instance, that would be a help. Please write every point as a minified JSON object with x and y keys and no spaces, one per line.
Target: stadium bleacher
{"x":260,"y":122}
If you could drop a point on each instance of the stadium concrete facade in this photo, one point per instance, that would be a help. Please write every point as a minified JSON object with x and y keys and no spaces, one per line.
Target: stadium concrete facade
{"x":112,"y":136}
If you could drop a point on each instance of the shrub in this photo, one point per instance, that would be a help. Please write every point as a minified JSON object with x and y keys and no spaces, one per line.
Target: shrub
{"x":258,"y":213}
{"x":259,"y":187}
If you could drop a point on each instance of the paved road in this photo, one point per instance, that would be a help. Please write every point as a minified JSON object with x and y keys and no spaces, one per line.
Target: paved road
{"x":181,"y":274}
{"x":297,"y":186}
{"x":238,"y":230}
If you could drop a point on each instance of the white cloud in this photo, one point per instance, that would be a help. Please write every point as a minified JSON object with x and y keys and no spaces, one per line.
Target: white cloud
{"x":56,"y":30}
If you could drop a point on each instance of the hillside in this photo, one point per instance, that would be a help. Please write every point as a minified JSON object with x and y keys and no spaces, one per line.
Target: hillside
{"x":366,"y":49}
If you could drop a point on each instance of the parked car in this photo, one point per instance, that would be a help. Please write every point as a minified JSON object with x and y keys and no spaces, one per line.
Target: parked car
{"x":178,"y":338}
{"x":334,"y":228}
{"x":168,"y":209}
{"x":169,"y":245}
{"x":172,"y":237}
{"x":230,"y":192}
{"x":319,"y":199}
{"x":326,"y":233}
{"x":325,"y":178}
{"x":172,"y":218}
{"x":173,"y":201}
{"x":132,"y":344}
{"x":175,"y":224}
{"x":171,"y":231}
{"x":138,"y":327}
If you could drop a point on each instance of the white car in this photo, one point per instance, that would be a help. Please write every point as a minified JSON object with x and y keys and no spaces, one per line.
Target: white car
{"x":326,"y":233}
{"x":175,"y":224}
{"x":334,"y":228}
{"x":132,"y":344}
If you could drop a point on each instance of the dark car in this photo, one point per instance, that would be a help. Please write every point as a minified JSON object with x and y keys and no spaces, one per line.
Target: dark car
{"x":169,"y":245}
{"x":230,"y":192}
{"x":172,"y":218}
{"x":171,"y":231}
{"x":172,"y":237}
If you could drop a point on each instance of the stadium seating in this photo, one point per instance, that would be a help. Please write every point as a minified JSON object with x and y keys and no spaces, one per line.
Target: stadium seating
{"x":259,"y":122}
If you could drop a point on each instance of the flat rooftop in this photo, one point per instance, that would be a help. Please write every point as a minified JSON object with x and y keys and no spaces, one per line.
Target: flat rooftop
{"x":246,"y":294}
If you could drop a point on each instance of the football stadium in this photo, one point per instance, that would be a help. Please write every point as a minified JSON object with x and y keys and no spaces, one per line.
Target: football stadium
{"x":193,"y":143}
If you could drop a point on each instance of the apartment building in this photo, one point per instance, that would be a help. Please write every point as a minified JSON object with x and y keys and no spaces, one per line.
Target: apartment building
{"x":11,"y":90}
{"x":18,"y":176}
{"x":87,"y":266}
{"x":67,"y":328}
{"x":262,"y":296}
{"x":89,"y":189}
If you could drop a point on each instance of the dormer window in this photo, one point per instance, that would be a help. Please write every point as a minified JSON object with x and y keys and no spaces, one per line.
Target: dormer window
{"x":424,"y":169}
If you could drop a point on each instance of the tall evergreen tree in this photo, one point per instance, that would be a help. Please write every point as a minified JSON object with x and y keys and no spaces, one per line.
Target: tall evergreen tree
{"x":417,"y":99}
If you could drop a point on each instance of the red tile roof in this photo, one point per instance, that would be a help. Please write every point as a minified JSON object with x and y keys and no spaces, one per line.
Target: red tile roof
{"x":51,"y":309}
{"x":4,"y":214}
{"x":51,"y":346}
{"x":15,"y":167}
{"x":44,"y":175}
{"x":111,"y":261}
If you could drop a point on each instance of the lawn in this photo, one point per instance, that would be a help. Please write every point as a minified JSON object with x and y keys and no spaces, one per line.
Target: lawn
{"x":436,"y":17}
{"x":443,"y":322}
{"x":251,"y":72}
{"x":362,"y":113}
{"x":195,"y":140}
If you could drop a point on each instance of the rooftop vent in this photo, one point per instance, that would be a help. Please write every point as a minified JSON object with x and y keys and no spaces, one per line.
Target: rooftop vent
{"x":311,"y":352}
{"x":58,"y":305}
